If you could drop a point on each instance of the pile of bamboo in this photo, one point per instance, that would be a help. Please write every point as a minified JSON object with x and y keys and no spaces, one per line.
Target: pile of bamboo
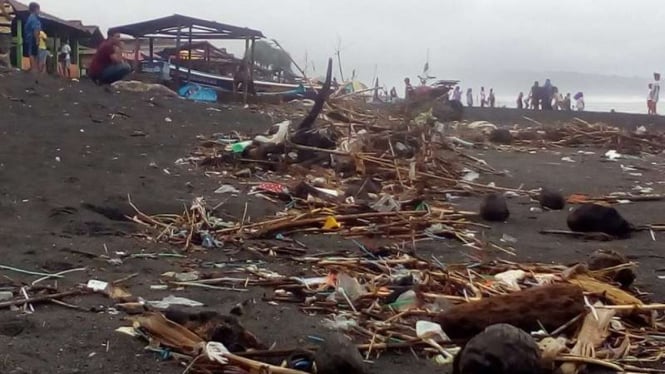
{"x":584,"y":134}
{"x":197,"y":225}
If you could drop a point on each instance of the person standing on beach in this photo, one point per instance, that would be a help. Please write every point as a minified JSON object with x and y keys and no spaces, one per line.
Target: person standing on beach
{"x":107,"y":65}
{"x":655,"y":93}
{"x":579,"y":101}
{"x":469,"y":97}
{"x":43,"y":52}
{"x":520,"y":101}
{"x":7,"y":15}
{"x":408,"y":88}
{"x":457,"y":94}
{"x":393,"y":94}
{"x":31,"y":33}
{"x":548,"y":94}
{"x":491,"y":99}
{"x":65,"y":60}
{"x":534,"y":99}
{"x":567,"y":104}
{"x":557,"y":99}
{"x":483,"y":97}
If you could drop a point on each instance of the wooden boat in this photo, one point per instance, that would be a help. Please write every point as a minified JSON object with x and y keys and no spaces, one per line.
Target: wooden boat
{"x":225,"y":84}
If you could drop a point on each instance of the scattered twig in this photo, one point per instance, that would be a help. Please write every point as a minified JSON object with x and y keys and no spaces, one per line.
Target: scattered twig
{"x":41,"y":298}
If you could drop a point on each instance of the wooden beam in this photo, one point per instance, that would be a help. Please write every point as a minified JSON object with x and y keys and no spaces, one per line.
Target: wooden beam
{"x":19,"y":44}
{"x":177,"y":57}
{"x":251,"y":63}
{"x":75,"y":44}
{"x":195,"y":36}
{"x":137,"y":52}
{"x":245,"y":73}
{"x":189,"y":56}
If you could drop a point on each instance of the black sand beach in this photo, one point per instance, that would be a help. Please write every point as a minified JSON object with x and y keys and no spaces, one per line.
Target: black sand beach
{"x":68,"y":145}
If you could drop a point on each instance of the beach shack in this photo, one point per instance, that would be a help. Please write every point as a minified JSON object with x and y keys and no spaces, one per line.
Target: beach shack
{"x":58,"y":31}
{"x":187,"y":32}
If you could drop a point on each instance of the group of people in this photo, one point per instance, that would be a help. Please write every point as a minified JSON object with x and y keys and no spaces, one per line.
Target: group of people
{"x":35,"y":41}
{"x":486,"y":100}
{"x":548,"y":97}
{"x":107,"y":65}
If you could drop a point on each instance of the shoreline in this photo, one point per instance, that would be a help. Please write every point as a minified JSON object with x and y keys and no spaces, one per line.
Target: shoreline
{"x":511,"y":116}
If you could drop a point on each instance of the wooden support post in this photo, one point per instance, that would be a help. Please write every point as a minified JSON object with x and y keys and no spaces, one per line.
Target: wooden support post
{"x":177,"y":56}
{"x":19,"y":44}
{"x":189,"y":55}
{"x":76,"y":56}
{"x":151,"y":45}
{"x":207,"y":57}
{"x":245,"y":73}
{"x":339,"y":62}
{"x":251,"y":62}
{"x":137,"y":53}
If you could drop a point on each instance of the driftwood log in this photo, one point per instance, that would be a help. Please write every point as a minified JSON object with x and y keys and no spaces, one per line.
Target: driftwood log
{"x":550,"y":306}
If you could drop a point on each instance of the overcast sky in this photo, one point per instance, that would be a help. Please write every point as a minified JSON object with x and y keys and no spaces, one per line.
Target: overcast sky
{"x":392,"y":37}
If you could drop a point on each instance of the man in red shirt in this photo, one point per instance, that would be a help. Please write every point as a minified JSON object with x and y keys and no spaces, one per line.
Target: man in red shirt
{"x":107,"y":65}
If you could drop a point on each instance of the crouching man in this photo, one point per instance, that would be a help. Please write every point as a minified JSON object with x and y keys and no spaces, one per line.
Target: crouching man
{"x":107,"y":65}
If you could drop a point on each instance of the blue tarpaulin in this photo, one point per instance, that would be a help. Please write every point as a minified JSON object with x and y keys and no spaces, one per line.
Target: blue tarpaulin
{"x":196,"y":92}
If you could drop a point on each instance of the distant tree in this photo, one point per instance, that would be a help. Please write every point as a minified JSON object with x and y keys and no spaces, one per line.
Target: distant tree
{"x":268,"y":56}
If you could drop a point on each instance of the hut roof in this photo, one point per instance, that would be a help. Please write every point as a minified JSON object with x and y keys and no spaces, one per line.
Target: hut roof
{"x":52,"y":24}
{"x":172,"y":26}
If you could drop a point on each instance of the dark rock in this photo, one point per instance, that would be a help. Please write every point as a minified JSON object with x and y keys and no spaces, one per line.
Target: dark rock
{"x":607,"y":258}
{"x":338,"y":355}
{"x":501,"y":136}
{"x":551,"y":200}
{"x":598,"y":218}
{"x":494,"y":208}
{"x":500,"y":349}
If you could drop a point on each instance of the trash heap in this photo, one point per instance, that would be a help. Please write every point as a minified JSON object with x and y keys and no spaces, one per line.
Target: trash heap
{"x":346,"y":169}
{"x":349,"y":170}
{"x":579,"y":316}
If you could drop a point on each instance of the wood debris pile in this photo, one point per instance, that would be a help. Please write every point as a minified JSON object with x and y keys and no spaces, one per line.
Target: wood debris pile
{"x":598,"y":135}
{"x":408,"y":221}
{"x":390,"y":299}
{"x":395,"y":301}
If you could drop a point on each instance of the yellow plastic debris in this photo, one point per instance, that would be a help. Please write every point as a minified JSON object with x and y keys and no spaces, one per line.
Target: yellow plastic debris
{"x":331,"y":224}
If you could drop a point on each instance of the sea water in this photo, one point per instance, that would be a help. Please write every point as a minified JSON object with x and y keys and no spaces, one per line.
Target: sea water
{"x":626,"y":104}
